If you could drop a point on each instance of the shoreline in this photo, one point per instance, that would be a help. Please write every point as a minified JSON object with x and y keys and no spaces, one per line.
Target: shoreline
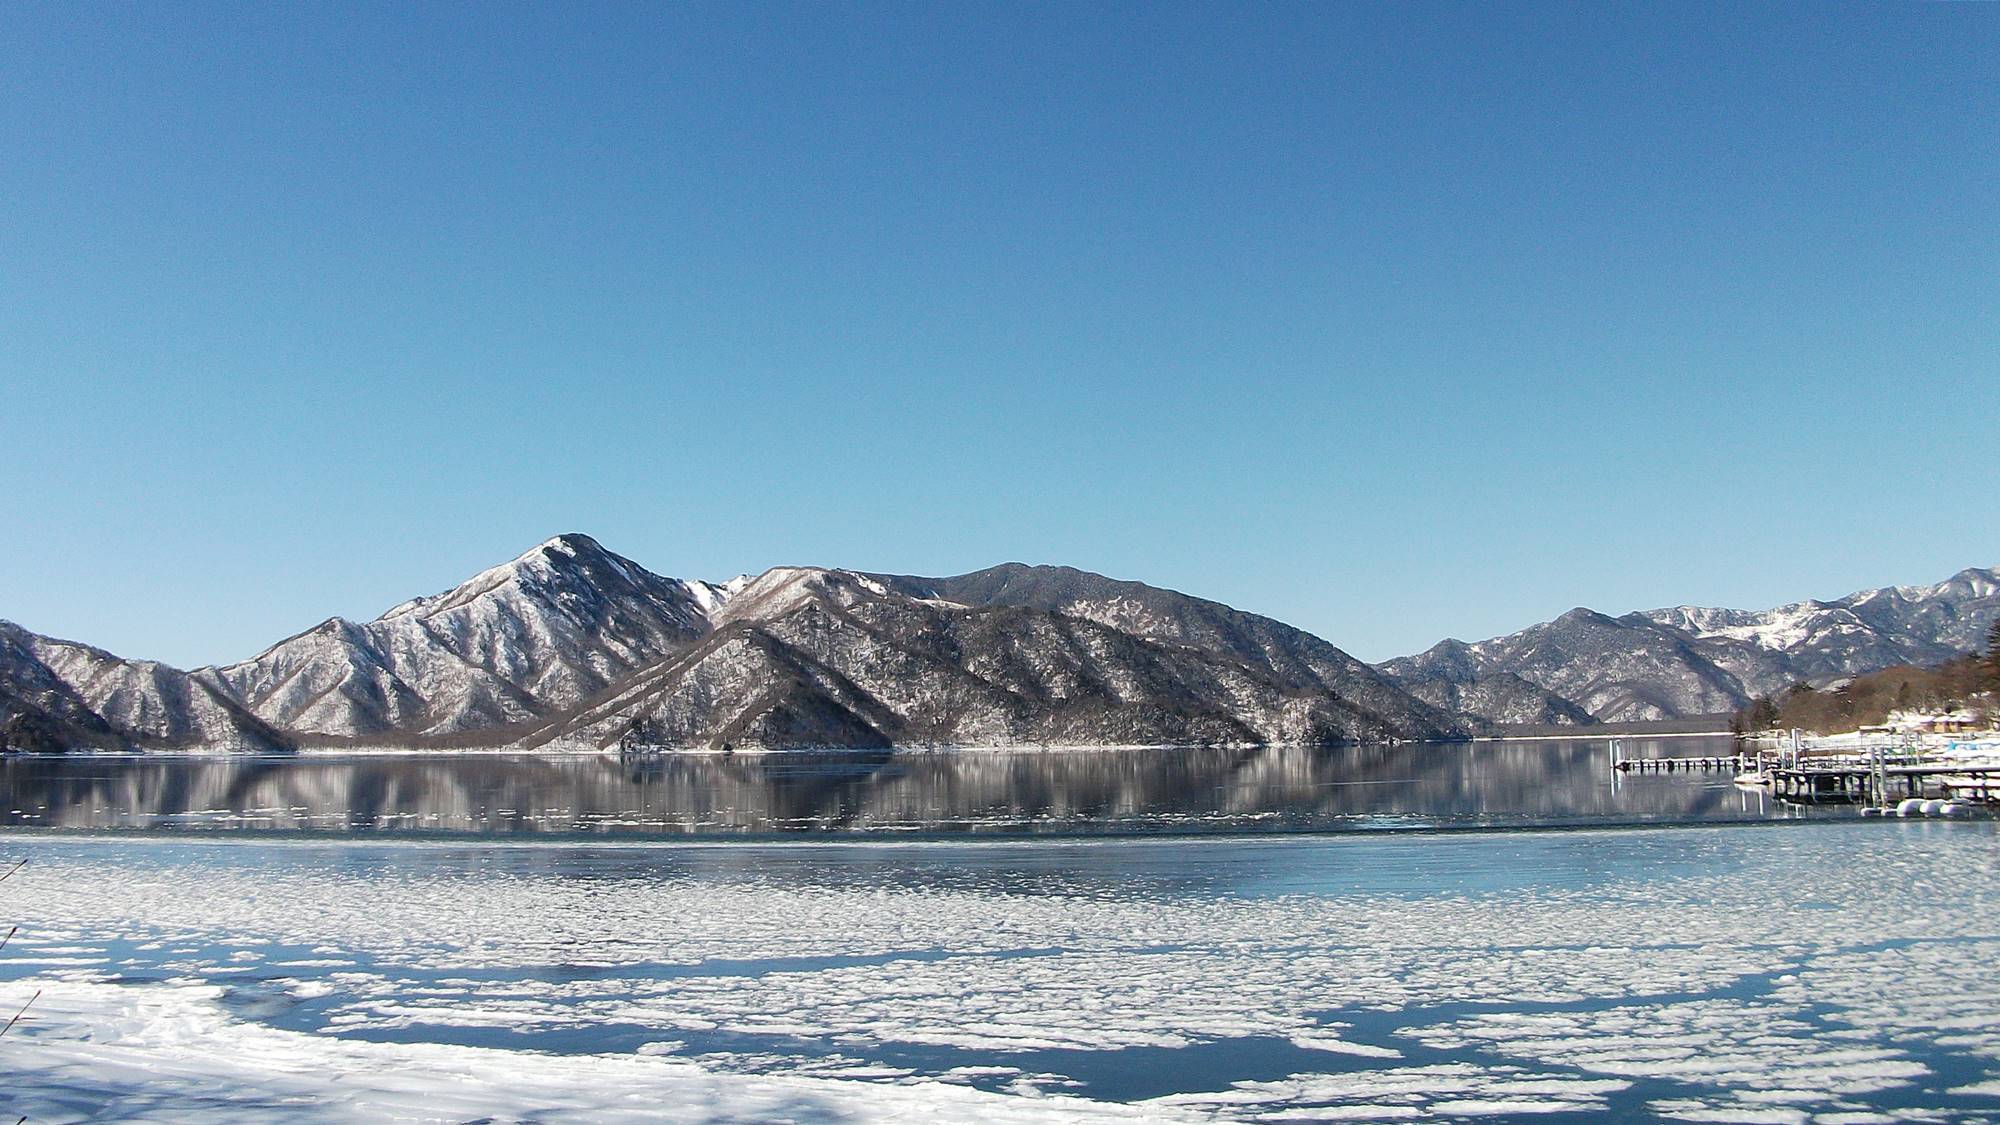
{"x":560,"y":751}
{"x":1604,"y":736}
{"x":1394,"y":827}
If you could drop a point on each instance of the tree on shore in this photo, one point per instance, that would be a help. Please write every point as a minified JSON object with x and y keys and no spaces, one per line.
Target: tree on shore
{"x":27,"y":733}
{"x":1871,"y":699}
{"x":1763,"y":713}
{"x":1760,"y":715}
{"x":1992,"y":663}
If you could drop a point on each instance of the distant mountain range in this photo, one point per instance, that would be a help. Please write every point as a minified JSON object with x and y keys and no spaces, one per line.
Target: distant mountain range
{"x":570,"y":645}
{"x":1689,"y":660}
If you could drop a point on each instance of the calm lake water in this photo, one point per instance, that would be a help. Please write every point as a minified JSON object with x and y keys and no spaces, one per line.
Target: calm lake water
{"x":1508,"y":784}
{"x":1090,"y":936}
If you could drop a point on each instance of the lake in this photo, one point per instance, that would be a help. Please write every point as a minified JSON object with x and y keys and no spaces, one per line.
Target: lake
{"x":1085,"y":936}
{"x":1076,"y":792}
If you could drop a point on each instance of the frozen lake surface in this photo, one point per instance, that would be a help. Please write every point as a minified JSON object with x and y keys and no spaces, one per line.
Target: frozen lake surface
{"x":1832,"y":971}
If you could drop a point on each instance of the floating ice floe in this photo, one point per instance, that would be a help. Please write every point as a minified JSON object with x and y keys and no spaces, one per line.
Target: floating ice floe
{"x":1027,"y":982}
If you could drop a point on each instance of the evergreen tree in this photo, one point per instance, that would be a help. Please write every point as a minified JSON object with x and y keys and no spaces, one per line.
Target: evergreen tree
{"x":1763,"y":713}
{"x":31,"y":734}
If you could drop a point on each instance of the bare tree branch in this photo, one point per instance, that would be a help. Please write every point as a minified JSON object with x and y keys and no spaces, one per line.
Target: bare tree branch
{"x":22,"y":1012}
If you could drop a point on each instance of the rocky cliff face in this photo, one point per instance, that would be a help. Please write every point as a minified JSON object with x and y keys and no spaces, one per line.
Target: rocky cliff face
{"x":572,"y":645}
{"x":1692,"y":660}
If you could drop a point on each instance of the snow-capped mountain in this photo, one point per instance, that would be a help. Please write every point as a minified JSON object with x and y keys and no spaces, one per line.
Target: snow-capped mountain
{"x":1293,"y":657}
{"x":838,"y":658}
{"x":1863,"y":632}
{"x":1695,"y":660}
{"x":87,"y":697}
{"x":572,"y":644}
{"x":1451,"y":676}
{"x":507,"y":647}
{"x":38,"y":707}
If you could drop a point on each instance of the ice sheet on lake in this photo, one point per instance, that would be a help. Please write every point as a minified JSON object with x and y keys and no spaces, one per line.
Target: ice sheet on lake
{"x":1698,"y":974}
{"x":161,"y":1052}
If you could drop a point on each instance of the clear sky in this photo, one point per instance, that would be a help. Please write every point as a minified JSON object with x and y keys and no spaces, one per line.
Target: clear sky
{"x":1393,"y":321}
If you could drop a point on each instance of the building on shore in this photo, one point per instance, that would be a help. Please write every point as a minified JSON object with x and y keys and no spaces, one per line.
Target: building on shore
{"x":1957,"y":721}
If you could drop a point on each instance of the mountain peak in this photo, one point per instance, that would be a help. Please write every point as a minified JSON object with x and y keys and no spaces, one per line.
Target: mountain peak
{"x":782,"y":589}
{"x":572,"y":543}
{"x":1690,"y":660}
{"x":569,"y":558}
{"x":570,"y":640}
{"x":1974,"y":582}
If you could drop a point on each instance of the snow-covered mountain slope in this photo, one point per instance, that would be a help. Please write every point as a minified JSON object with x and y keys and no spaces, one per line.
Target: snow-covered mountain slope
{"x":1449,"y":676}
{"x":572,"y":643}
{"x":1695,"y":660}
{"x":805,"y":656}
{"x":103,"y":702}
{"x":1816,"y":641}
{"x":1292,"y":657}
{"x":512,"y":644}
{"x":1615,"y":669}
{"x":38,"y":708}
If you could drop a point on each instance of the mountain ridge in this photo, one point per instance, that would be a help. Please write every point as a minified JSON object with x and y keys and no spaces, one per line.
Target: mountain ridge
{"x":1685,"y":661}
{"x":569,"y":643}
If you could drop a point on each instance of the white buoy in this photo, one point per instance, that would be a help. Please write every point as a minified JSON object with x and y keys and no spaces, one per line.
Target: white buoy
{"x":1933,"y":808}
{"x":1957,"y":808}
{"x":1910,"y":807}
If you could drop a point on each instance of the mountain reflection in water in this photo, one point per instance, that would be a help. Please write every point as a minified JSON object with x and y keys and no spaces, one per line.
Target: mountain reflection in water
{"x":1053,"y":792}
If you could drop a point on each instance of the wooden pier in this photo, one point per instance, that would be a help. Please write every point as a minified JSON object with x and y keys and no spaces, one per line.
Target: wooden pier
{"x":1623,"y":764}
{"x":1801,"y":773}
{"x":1879,"y":784}
{"x":1731,"y":762}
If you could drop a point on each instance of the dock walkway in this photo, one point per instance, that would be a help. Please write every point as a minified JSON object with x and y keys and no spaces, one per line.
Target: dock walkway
{"x":1877,"y":774}
{"x":1664,"y":765}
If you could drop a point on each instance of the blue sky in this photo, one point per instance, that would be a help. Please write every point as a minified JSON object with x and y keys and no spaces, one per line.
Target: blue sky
{"x":1393,"y":321}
